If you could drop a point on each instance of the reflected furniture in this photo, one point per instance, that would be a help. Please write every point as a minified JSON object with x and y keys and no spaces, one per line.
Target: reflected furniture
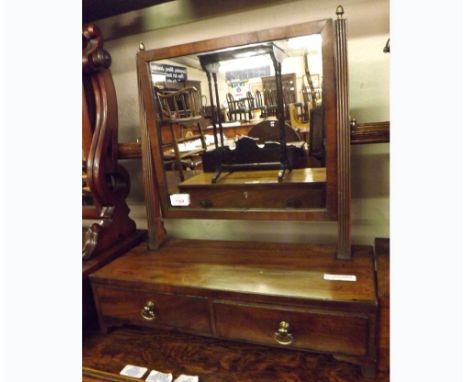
{"x":210,"y":62}
{"x":181,"y":108}
{"x":288,"y":87}
{"x":312,"y":297}
{"x":237,"y":108}
{"x":267,"y":130}
{"x":259,"y":104}
{"x":269,"y":95}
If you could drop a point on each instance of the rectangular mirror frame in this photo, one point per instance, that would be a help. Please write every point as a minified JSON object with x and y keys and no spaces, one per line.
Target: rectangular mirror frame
{"x":154,"y":177}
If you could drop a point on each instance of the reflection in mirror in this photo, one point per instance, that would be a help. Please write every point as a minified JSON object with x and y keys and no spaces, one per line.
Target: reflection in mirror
{"x":244,"y":116}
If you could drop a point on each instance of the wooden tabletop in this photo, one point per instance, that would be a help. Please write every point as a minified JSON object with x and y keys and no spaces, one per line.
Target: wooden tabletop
{"x":296,"y":176}
{"x":263,"y":269}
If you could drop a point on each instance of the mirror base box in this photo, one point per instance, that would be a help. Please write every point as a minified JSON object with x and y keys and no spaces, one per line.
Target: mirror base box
{"x":273,"y":294}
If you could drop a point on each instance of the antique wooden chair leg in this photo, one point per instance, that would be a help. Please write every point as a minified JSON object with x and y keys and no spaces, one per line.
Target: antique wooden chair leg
{"x":202,"y":135}
{"x":176,"y":153}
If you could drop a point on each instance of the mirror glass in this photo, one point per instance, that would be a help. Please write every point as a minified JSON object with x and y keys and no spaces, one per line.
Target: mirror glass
{"x":243,"y":127}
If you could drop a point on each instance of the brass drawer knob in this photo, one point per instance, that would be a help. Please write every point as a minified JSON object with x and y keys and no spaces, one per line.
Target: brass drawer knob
{"x":282,"y":335}
{"x":148,"y":313}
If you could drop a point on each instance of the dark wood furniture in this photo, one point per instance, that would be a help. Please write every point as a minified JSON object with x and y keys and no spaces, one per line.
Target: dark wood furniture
{"x":337,"y":130}
{"x":89,"y":316}
{"x":289,"y":83}
{"x":267,"y":130}
{"x":105,"y":183}
{"x":210,"y":62}
{"x":288,"y":89}
{"x":213,"y":360}
{"x":269,"y":96}
{"x":259,"y":104}
{"x":371,"y":132}
{"x":181,"y":108}
{"x":229,"y":290}
{"x":304,"y":188}
{"x":271,"y":294}
{"x":237,"y":108}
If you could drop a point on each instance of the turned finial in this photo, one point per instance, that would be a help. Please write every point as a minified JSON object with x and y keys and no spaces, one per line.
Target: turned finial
{"x":141,"y":46}
{"x":339,"y":11}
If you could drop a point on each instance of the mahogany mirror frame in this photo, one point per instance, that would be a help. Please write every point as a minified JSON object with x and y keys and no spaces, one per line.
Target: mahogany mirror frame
{"x":337,"y":132}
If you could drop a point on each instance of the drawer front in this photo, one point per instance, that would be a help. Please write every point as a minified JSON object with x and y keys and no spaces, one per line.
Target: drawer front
{"x":255,"y":198}
{"x":320,"y":331}
{"x":180,"y":312}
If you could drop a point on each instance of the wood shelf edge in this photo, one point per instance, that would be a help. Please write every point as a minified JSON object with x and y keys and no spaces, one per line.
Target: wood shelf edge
{"x":373,"y":132}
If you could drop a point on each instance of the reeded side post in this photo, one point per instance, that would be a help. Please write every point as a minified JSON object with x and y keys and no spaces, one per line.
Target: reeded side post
{"x":156,"y":231}
{"x":343,"y":140}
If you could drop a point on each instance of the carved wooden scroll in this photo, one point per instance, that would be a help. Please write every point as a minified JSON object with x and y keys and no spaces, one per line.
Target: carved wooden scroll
{"x":105,"y":183}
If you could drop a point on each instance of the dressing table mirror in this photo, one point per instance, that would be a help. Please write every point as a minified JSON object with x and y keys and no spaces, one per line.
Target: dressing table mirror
{"x":250,"y":126}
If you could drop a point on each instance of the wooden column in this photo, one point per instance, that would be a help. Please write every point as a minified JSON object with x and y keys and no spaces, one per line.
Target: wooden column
{"x":156,"y":231}
{"x":343,"y":140}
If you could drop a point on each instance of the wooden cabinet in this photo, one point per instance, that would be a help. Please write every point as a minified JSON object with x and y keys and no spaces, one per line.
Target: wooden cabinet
{"x":318,"y":330}
{"x":226,"y":290}
{"x":147,"y":308}
{"x":305,"y":188}
{"x":319,"y":298}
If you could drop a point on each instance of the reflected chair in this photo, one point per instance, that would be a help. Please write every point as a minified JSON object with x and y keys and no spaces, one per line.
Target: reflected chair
{"x":269,"y":95}
{"x":250,"y":103}
{"x":259,"y":103}
{"x":236,"y":108}
{"x":289,"y":99}
{"x":307,"y":96}
{"x":181,"y":110}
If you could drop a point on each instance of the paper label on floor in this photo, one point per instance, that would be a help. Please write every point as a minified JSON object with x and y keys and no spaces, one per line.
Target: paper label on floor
{"x":134,"y":371}
{"x":186,"y":378}
{"x":180,"y":200}
{"x":157,"y":376}
{"x":328,"y":276}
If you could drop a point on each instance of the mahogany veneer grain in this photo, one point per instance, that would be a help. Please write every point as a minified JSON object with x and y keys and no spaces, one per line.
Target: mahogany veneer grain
{"x":93,"y":264}
{"x":200,"y":287}
{"x":373,"y":132}
{"x":211,"y":359}
{"x":220,"y":268}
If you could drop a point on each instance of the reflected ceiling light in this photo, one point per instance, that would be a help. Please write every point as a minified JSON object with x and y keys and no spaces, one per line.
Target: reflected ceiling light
{"x":244,"y":63}
{"x":309,"y":43}
{"x":158,"y":78}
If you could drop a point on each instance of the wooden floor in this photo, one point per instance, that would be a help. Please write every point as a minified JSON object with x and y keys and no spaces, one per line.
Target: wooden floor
{"x":213,"y":360}
{"x":382,"y":250}
{"x":223,"y":361}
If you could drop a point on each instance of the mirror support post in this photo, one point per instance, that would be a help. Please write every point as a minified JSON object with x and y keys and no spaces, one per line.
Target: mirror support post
{"x":210,"y":91}
{"x":156,"y":231}
{"x":280,"y":109}
{"x":343,"y":140}
{"x":218,"y":109}
{"x":280,"y":115}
